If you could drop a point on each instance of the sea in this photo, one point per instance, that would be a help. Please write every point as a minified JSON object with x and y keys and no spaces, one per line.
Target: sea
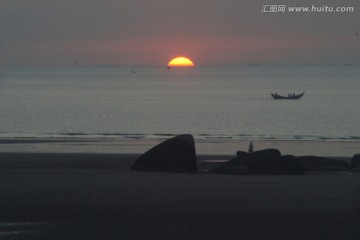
{"x":231,"y":102}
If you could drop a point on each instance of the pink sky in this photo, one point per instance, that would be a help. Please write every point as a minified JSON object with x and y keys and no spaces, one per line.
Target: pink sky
{"x":210,"y":32}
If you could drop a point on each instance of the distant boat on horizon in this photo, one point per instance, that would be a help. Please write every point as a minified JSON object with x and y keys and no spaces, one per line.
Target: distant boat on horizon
{"x":291,"y":96}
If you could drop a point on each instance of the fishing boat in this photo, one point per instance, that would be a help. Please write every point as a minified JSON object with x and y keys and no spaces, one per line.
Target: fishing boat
{"x":292,"y":96}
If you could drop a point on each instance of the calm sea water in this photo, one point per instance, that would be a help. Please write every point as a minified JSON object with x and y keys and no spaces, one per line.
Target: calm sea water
{"x":229,"y":102}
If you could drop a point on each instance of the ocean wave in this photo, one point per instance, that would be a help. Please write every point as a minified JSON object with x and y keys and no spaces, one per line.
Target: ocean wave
{"x":170,"y":135}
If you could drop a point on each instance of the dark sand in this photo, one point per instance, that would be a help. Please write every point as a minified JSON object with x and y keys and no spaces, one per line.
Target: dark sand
{"x":95,"y":196}
{"x":211,"y":146}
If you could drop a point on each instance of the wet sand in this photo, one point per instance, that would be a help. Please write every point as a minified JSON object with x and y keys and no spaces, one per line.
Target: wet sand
{"x":211,"y":146}
{"x":95,"y":196}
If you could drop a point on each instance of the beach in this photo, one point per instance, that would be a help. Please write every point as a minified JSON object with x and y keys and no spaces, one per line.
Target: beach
{"x":93,"y":195}
{"x":223,"y":147}
{"x":179,"y":120}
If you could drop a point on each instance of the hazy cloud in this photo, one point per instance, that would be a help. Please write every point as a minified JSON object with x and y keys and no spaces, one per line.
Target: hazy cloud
{"x":45,"y":32}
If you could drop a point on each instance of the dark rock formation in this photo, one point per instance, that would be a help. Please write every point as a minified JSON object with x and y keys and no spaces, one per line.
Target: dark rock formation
{"x":292,"y":164}
{"x":268,"y":161}
{"x":242,"y":155}
{"x":233,"y":166}
{"x":265,"y":161}
{"x":174,"y":155}
{"x":313,"y":163}
{"x":355,"y":161}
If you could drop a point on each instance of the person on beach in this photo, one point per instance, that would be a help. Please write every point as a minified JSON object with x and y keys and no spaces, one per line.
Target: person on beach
{"x":251,"y":148}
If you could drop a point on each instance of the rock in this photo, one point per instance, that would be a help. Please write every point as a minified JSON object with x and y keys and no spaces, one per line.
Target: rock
{"x":268,"y":161}
{"x":355,"y":161}
{"x":234,"y":166}
{"x":265,"y":161}
{"x":173,"y":155}
{"x":293,"y":165}
{"x":313,"y":163}
{"x":242,"y":155}
{"x":265,"y":154}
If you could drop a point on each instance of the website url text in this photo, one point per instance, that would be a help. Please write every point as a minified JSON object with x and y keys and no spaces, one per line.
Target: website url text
{"x":308,"y":9}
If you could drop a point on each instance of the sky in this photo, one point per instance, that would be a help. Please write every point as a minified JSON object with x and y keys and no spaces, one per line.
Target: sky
{"x":151,"y":32}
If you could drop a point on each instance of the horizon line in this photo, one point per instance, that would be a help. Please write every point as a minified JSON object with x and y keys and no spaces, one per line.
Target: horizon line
{"x":165,"y":66}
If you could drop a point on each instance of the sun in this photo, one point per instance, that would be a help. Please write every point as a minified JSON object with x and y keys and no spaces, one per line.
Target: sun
{"x":181,"y":62}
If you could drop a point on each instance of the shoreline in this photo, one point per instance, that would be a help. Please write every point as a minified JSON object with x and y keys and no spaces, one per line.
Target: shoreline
{"x":121,"y":163}
{"x":28,"y":162}
{"x":209,"y":147}
{"x":90,"y":154}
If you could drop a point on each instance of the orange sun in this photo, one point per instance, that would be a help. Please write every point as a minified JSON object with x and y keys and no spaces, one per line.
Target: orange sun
{"x":181,"y":62}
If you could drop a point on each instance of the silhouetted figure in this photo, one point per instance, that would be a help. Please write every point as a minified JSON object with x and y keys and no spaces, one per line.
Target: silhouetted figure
{"x":251,"y":148}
